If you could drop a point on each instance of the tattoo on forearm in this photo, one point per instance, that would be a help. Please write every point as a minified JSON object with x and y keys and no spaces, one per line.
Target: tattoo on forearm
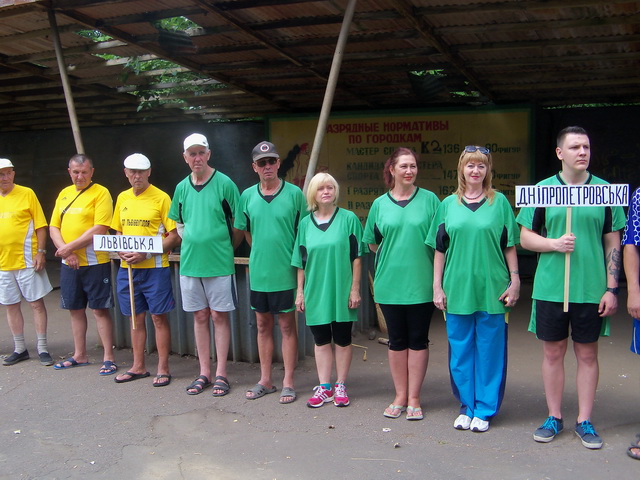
{"x":613,"y":263}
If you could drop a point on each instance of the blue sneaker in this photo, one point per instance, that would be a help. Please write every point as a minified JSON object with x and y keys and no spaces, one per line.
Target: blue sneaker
{"x":551,"y":427}
{"x":588,"y":435}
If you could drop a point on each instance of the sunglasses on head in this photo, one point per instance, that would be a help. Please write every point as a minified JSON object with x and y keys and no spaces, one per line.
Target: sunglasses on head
{"x":473,"y":148}
{"x":263,"y":161}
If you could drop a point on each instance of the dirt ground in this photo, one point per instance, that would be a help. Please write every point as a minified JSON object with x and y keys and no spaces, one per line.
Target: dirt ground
{"x":77,"y":424}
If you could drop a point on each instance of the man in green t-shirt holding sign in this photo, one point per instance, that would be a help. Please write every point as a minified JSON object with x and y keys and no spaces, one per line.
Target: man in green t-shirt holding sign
{"x":594,"y":245}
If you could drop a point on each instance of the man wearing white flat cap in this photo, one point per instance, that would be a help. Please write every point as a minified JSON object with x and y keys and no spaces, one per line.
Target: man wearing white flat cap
{"x":143,"y":210}
{"x":22,"y":260}
{"x":203,"y":206}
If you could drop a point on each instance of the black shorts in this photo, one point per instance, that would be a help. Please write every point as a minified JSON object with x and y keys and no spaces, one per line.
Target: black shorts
{"x":552,"y":324}
{"x":408,"y":325}
{"x":89,"y":285}
{"x":273,"y":302}
{"x":340,"y":332}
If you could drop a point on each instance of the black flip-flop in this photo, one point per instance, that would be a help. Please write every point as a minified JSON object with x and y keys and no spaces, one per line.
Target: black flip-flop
{"x":221,"y":383}
{"x":199,"y":384}
{"x":132,"y":377}
{"x":162,"y":384}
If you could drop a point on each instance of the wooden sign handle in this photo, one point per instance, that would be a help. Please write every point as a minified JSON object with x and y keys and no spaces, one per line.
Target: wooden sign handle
{"x":132,"y":300}
{"x":567,"y":267}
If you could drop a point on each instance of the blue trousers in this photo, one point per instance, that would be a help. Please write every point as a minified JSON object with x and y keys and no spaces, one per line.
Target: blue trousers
{"x":478,"y":361}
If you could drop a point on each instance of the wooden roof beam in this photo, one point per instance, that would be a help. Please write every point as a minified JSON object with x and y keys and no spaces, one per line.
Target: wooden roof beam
{"x":157,"y":50}
{"x":427,"y":32}
{"x":556,"y":42}
{"x":19,"y":37}
{"x":42,"y":73}
{"x":100,"y":47}
{"x":539,"y":25}
{"x":271,"y":45}
{"x":515,"y":6}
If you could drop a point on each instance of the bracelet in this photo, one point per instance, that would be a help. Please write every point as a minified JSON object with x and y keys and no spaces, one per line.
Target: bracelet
{"x":40,"y":250}
{"x":515,"y":272}
{"x":615,"y":290}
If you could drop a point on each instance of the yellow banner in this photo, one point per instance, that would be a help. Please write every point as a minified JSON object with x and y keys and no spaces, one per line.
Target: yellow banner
{"x":356,"y":146}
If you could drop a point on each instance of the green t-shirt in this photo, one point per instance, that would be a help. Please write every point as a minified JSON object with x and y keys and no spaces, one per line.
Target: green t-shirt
{"x":473,"y":238}
{"x":207,"y":213}
{"x":588,"y":280}
{"x":404,"y":264}
{"x":273,"y":223}
{"x":326,"y":253}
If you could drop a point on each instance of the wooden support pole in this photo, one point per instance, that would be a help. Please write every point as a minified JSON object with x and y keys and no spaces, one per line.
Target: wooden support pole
{"x":329,"y":92}
{"x":68,"y":94}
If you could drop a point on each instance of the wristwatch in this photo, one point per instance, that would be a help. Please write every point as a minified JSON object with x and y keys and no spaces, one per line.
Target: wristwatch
{"x":149,"y":256}
{"x":40,"y":250}
{"x":615,"y":291}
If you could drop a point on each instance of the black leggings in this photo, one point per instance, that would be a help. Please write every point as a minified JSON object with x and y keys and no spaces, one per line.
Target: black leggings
{"x":408,"y":325}
{"x":339,"y":331}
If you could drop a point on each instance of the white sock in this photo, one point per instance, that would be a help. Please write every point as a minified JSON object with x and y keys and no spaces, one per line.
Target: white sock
{"x":42,"y":343}
{"x":18,"y":342}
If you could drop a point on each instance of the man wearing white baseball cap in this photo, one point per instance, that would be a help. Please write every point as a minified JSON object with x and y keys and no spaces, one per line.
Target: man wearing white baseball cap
{"x":22,"y":261}
{"x":203,"y":206}
{"x":143,"y":210}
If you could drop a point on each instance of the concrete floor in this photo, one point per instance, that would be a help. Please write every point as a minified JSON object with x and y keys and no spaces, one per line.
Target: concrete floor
{"x":76,"y":424}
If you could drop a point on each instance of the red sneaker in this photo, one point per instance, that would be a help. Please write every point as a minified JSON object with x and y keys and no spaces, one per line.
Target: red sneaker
{"x":319,"y":398}
{"x":340,"y":398}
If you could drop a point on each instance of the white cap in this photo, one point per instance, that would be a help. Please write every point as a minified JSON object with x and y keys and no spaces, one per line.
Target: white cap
{"x":195,"y":139}
{"x":137,"y":161}
{"x":5,"y":163}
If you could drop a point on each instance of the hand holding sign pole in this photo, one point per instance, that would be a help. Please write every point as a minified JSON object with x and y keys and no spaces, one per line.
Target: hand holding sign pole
{"x":567,"y":267}
{"x":591,"y":195}
{"x":128,"y":243}
{"x":132,"y":300}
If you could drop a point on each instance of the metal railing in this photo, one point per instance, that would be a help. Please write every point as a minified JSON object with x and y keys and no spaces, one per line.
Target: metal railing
{"x":244,"y":346}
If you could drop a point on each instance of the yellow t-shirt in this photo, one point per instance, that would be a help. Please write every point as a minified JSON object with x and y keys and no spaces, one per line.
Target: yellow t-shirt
{"x":146,"y":215}
{"x":93,"y":207}
{"x":20,"y":216}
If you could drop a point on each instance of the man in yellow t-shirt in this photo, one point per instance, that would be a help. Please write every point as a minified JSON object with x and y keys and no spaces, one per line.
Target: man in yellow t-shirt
{"x":83,"y":210}
{"x":22,"y":262}
{"x":144,"y":210}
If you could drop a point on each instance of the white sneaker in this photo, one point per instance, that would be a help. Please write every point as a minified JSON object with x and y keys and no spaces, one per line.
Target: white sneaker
{"x":479,"y":425}
{"x":462,"y":422}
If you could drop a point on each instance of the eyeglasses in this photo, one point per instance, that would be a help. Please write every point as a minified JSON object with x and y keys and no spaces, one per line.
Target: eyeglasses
{"x":263,"y":161}
{"x":473,"y":148}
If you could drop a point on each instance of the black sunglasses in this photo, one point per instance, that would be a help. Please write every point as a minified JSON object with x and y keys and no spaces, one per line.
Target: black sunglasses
{"x":263,"y":161}
{"x":473,"y":148}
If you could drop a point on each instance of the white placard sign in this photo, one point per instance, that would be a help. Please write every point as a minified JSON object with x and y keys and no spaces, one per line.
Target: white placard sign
{"x":607,"y":195}
{"x":127,"y":243}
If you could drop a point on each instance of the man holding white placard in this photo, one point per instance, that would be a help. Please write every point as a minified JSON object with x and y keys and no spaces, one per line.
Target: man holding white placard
{"x":144,"y":210}
{"x":594,"y":247}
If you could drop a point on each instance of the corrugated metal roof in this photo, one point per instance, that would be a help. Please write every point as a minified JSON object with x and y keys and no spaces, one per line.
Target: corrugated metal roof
{"x":274,"y":56}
